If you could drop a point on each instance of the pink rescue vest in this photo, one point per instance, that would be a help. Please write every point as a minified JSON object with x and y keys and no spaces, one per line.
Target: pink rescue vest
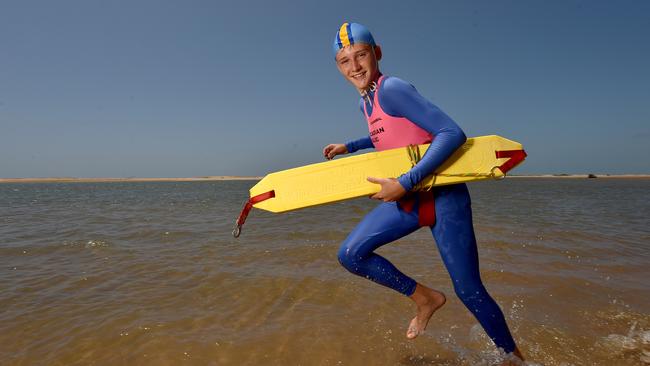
{"x":388,"y":132}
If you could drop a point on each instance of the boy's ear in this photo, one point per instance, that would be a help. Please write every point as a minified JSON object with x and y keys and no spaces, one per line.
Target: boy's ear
{"x":378,"y":53}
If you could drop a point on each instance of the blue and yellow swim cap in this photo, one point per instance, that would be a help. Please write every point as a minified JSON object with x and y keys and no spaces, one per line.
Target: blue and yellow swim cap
{"x":351,"y":33}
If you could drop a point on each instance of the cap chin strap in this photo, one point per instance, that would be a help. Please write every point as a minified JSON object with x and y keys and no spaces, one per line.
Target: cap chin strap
{"x":371,"y":88}
{"x":365,"y":94}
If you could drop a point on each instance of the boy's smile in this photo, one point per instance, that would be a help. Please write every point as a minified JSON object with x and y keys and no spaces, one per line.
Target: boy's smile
{"x":358,"y":63}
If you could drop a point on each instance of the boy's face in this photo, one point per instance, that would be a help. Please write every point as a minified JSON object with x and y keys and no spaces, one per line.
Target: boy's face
{"x":358,"y":63}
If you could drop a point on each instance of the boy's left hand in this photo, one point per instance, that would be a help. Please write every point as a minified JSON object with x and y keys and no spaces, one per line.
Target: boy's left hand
{"x":391,"y":189}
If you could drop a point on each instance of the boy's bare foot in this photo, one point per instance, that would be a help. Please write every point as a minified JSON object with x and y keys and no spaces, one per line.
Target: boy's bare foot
{"x":427,"y":301}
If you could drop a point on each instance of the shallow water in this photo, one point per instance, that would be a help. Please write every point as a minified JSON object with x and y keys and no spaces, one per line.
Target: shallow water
{"x":149,"y":274}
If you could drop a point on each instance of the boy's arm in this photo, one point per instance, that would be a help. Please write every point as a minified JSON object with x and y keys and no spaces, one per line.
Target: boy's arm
{"x":400,"y":99}
{"x":331,"y":150}
{"x":362,"y":143}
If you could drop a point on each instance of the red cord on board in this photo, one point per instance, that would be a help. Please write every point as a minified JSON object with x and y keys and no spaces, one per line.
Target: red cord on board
{"x":247,"y":208}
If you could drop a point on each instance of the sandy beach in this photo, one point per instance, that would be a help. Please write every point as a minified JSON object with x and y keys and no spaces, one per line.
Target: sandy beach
{"x":129,"y":179}
{"x":585,"y":176}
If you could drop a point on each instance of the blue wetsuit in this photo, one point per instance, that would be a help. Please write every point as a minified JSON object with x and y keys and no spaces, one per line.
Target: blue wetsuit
{"x":453,"y":230}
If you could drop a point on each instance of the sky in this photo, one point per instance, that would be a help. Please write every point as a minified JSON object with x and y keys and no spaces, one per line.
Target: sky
{"x":195,"y":88}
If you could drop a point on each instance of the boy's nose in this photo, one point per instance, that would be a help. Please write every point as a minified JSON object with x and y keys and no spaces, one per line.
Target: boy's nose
{"x":355,"y":65}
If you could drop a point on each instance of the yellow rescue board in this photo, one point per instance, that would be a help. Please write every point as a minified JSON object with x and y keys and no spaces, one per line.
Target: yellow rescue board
{"x":342,"y":179}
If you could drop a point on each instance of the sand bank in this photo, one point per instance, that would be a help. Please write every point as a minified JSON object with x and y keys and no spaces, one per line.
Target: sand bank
{"x":131,"y":179}
{"x":584,"y":176}
{"x":233,"y":177}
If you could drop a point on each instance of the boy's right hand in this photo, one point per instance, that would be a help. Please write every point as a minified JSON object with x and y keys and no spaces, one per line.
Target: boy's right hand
{"x":331,"y":150}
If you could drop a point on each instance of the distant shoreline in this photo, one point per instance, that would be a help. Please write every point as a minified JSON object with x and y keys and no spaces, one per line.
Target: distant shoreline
{"x":585,"y":176}
{"x":232,"y":177}
{"x":130,"y":179}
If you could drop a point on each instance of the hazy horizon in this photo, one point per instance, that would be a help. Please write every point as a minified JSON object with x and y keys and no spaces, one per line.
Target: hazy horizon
{"x":227,"y":177}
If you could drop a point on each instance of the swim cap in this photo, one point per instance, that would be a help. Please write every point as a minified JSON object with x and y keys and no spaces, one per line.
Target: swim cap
{"x":351,"y":33}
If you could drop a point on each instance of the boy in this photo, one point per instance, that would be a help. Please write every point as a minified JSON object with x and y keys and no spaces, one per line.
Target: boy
{"x":398,"y":116}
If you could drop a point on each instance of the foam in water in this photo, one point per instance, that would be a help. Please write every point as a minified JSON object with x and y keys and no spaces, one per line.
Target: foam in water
{"x":645,"y":356}
{"x":636,"y":341}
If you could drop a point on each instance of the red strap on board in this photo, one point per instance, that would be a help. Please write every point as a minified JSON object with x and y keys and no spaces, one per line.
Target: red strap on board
{"x":426,"y":201}
{"x":516,"y":157}
{"x":426,"y":209}
{"x":407,"y":202}
{"x":247,"y":208}
{"x":426,"y":206}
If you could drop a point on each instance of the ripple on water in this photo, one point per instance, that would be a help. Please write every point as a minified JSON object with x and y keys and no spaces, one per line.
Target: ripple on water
{"x":150,"y":274}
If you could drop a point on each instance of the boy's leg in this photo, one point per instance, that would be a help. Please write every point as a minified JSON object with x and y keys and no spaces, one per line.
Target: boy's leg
{"x":454,"y":234}
{"x":386,"y":223}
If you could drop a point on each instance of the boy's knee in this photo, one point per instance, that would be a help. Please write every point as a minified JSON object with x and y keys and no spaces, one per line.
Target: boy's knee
{"x":343,"y":255}
{"x":348,"y":258}
{"x":471,"y":295}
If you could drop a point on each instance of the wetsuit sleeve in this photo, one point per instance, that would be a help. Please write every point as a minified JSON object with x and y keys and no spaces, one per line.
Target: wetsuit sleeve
{"x":400,"y":99}
{"x":362,"y":143}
